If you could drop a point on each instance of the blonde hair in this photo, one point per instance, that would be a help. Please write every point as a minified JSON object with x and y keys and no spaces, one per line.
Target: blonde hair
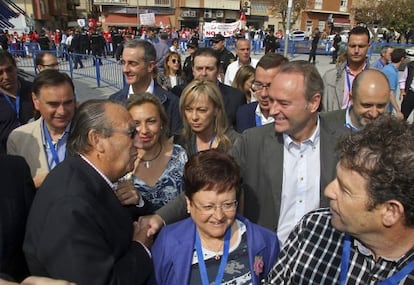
{"x":243,"y":74}
{"x":193,"y":92}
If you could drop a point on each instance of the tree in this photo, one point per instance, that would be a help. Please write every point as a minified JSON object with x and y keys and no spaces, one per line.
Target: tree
{"x":279,"y":7}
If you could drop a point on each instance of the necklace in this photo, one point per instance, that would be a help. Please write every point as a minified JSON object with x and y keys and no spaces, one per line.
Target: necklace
{"x":217,"y":255}
{"x":147,"y":162}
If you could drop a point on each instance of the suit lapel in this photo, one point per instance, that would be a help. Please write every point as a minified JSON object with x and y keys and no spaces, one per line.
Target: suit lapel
{"x":37,"y":133}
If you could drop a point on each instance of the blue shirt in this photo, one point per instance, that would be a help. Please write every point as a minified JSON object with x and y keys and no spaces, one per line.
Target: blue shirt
{"x":391,"y":72}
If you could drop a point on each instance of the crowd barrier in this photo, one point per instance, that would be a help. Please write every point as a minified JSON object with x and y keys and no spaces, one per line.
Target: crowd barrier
{"x":102,"y":69}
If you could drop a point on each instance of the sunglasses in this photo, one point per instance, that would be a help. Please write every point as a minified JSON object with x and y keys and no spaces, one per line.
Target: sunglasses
{"x":174,"y":60}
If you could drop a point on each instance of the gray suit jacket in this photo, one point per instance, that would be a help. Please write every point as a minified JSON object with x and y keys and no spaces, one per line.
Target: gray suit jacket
{"x":259,"y":152}
{"x":27,"y":141}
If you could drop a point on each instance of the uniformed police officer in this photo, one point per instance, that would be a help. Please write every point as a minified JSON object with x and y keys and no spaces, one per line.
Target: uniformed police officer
{"x":97,"y":45}
{"x":226,"y":57}
{"x":192,"y":46}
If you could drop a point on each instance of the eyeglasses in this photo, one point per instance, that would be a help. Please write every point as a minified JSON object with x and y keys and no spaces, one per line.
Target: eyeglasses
{"x":132,"y":132}
{"x":210,"y":209}
{"x":50,"y":65}
{"x":175,"y":60}
{"x":258,"y":86}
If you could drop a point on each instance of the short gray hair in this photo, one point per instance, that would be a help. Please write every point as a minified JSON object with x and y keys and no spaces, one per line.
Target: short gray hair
{"x":150,"y":54}
{"x":90,"y":115}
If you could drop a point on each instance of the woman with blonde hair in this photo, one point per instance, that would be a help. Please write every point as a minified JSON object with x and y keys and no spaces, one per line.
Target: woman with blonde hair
{"x":172,"y":74}
{"x":204,"y":119}
{"x":243,"y":81}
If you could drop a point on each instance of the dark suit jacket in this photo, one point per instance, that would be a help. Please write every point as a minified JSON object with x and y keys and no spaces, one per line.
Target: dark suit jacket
{"x":77,"y":230}
{"x":16,"y":195}
{"x":232,"y":99}
{"x":168,"y":100}
{"x":259,"y":153}
{"x":246,"y":117}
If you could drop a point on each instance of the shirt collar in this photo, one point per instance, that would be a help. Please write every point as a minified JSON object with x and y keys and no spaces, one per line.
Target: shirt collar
{"x":312,"y":140}
{"x":348,"y":121}
{"x":63,"y":136}
{"x":112,"y":185}
{"x":150,"y":88}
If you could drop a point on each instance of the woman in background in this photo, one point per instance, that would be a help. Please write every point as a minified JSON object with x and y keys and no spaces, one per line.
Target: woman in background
{"x":172,"y":74}
{"x":243,"y":81}
{"x":204,"y":120}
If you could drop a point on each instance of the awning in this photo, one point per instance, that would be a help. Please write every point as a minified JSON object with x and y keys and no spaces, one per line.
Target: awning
{"x":341,"y":22}
{"x":8,"y":10}
{"x":131,"y":20}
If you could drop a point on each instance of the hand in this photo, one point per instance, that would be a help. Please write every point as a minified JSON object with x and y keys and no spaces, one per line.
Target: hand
{"x":38,"y":179}
{"x":153,"y":223}
{"x":140,"y":234}
{"x":126,"y":193}
{"x":402,"y":93}
{"x":34,"y":280}
{"x":399,"y":115}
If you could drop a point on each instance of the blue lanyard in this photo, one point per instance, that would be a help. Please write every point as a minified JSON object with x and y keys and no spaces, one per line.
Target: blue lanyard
{"x":213,"y":137}
{"x":258,"y":120}
{"x":14,"y":106}
{"x":223,"y":262}
{"x":393,"y":280}
{"x":55,"y":156}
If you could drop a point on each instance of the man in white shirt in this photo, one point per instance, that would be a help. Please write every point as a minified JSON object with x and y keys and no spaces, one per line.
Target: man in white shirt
{"x":243,"y":48}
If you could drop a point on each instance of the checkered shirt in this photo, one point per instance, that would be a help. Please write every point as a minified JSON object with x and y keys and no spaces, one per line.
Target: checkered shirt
{"x":312,"y":255}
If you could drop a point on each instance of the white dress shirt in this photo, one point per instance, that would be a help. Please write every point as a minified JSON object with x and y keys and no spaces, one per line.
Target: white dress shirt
{"x":233,"y":68}
{"x":301,"y":181}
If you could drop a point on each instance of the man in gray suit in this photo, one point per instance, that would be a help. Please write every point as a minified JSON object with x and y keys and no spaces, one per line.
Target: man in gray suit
{"x":43,"y":142}
{"x":285,"y":165}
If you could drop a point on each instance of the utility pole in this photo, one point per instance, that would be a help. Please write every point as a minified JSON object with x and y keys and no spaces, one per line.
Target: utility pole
{"x":288,"y":19}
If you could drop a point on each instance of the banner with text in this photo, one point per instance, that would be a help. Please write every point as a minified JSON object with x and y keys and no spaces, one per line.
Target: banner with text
{"x":226,"y":29}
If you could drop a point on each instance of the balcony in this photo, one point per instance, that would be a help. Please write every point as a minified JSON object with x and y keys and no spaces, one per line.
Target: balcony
{"x":110,"y":2}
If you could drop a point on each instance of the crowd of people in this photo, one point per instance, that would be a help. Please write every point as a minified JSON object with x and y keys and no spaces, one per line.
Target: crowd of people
{"x":222,"y":169}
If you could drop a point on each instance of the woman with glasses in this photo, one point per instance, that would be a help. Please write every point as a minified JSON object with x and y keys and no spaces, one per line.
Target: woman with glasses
{"x":214,"y":244}
{"x":204,"y":120}
{"x":172,"y":73}
{"x":159,"y":167}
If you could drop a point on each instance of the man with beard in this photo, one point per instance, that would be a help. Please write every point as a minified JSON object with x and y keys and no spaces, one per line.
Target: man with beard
{"x":369,"y":98}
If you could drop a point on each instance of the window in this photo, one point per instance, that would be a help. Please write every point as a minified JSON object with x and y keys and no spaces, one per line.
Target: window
{"x":318,"y":4}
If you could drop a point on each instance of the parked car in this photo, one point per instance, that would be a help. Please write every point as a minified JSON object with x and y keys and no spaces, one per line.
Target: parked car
{"x":298,"y":35}
{"x":409,"y":52}
{"x":343,"y":34}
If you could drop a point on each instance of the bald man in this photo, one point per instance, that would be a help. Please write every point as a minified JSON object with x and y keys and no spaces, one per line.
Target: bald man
{"x":369,"y":98}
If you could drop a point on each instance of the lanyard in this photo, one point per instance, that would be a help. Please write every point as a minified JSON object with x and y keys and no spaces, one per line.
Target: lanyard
{"x":55,"y":156}
{"x":14,"y":106}
{"x":348,"y":83}
{"x":393,"y":280}
{"x":258,"y":120}
{"x":223,"y":262}
{"x":213,"y":137}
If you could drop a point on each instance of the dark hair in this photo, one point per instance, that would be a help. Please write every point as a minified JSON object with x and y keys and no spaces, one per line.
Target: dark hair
{"x":359,"y":30}
{"x":207,"y":52}
{"x":146,"y":97}
{"x":383,"y":153}
{"x":213,"y":169}
{"x":271,"y":60}
{"x":150,"y":54}
{"x":6,"y":57}
{"x":51,"y":77}
{"x":313,"y":82}
{"x":397,"y":54}
{"x":90,"y":115}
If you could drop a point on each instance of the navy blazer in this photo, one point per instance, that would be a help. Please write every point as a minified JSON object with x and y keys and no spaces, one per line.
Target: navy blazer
{"x":78,"y":231}
{"x":168,"y":100}
{"x":16,"y":194}
{"x":173,"y":251}
{"x":246,"y":117}
{"x":232,"y":99}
